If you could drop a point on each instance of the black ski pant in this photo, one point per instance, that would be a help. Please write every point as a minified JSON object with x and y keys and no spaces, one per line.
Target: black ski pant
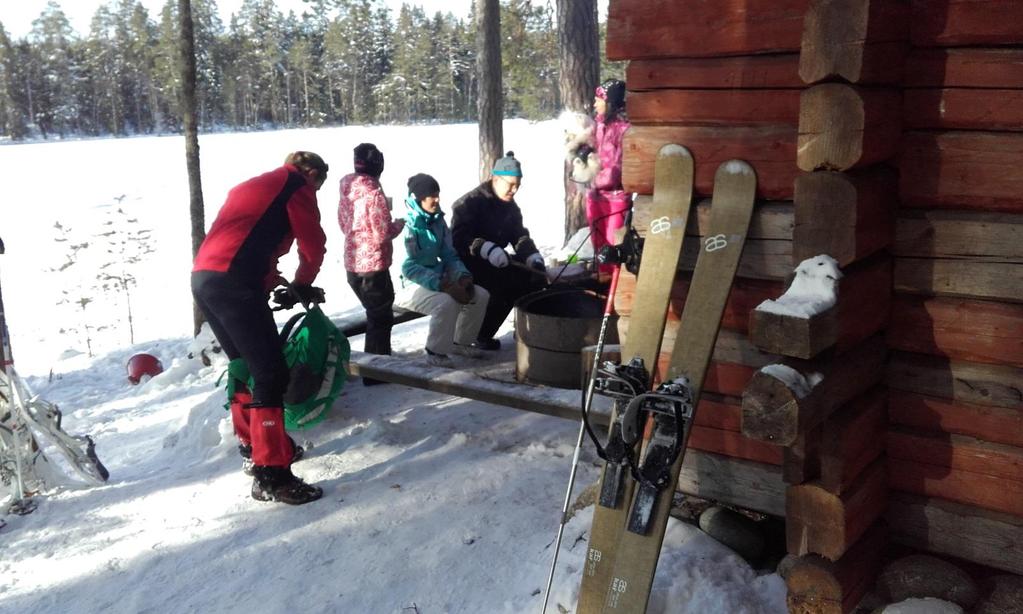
{"x":505,"y":286}
{"x":376,"y":293}
{"x":241,"y":319}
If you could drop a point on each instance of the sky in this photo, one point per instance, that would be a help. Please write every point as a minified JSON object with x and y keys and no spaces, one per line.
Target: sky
{"x":432,"y":504}
{"x":17,"y":15}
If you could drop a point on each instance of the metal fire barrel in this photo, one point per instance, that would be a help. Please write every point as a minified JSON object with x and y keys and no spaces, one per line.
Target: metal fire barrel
{"x":551,"y":328}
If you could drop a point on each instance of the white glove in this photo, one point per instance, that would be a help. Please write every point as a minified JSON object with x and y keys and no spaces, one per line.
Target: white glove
{"x":536,"y":261}
{"x":497,"y":257}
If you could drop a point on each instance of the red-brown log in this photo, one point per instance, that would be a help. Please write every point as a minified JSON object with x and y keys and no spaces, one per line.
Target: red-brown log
{"x":989,"y":492}
{"x":770,"y":150}
{"x":995,"y":424}
{"x":968,"y":382}
{"x":978,"y":67}
{"x":979,"y":278}
{"x":734,"y":445}
{"x":859,"y":41}
{"x":963,"y":109}
{"x":819,"y":586}
{"x":962,"y":170}
{"x":714,"y":107}
{"x":843,"y":126}
{"x":980,"y":235}
{"x":958,"y":23}
{"x":960,"y":329}
{"x":638,"y":29}
{"x":745,"y":72}
{"x":852,"y":438}
{"x":955,"y":452}
{"x":771,"y":219}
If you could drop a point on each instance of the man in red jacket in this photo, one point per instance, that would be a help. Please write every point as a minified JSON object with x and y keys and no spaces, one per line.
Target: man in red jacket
{"x":233,"y":273}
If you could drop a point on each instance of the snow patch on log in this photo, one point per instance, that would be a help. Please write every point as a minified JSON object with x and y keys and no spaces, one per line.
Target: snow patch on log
{"x":814,"y":290}
{"x":799,"y":384}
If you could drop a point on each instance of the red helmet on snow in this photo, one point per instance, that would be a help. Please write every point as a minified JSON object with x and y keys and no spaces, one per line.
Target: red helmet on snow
{"x":143,"y":364}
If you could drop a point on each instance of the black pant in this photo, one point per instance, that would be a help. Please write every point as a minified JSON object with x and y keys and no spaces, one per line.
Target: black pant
{"x":376,"y":293}
{"x":505,"y":286}
{"x":241,"y":319}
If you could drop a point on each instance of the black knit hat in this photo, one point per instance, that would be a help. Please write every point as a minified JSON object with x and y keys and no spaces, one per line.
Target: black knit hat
{"x":613,"y":92}
{"x":423,"y":185}
{"x":369,"y":159}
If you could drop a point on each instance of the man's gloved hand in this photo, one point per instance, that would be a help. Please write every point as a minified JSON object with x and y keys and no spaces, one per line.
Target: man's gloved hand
{"x":536,"y":261}
{"x":487,"y":250}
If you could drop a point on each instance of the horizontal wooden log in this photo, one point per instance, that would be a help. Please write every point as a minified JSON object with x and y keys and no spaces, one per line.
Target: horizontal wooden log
{"x":852,"y":438}
{"x":955,"y":452}
{"x":995,"y":424}
{"x":725,"y":377}
{"x":963,"y":109}
{"x":638,"y":29}
{"x":989,"y":492}
{"x":731,"y":346}
{"x":745,"y":72}
{"x":962,"y":170}
{"x":968,"y":382}
{"x":997,"y":237}
{"x":734,"y":481}
{"x":820,"y":522}
{"x":819,"y":586}
{"x":770,"y":150}
{"x":864,"y":294}
{"x":773,"y":412}
{"x":957,"y":23}
{"x":843,"y":127}
{"x":771,"y":219}
{"x":714,"y":107}
{"x":848,"y":216}
{"x":968,"y":278}
{"x":966,"y":532}
{"x":967,"y":67}
{"x":733,"y":445}
{"x":761,"y":259}
{"x":863,"y":41}
{"x":960,"y":329}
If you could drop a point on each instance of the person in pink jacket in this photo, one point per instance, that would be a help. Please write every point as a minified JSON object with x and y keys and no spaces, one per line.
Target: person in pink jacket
{"x":607,"y":202}
{"x":365,"y":218}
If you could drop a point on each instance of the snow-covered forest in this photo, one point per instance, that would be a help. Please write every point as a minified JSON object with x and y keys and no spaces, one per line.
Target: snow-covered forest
{"x":338,"y":62}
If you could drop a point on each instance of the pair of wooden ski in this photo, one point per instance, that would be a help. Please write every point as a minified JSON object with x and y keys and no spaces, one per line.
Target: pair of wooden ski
{"x":630,"y":519}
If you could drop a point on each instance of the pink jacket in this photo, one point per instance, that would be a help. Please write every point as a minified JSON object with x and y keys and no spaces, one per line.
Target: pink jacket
{"x":609,"y":148}
{"x":366,"y":223}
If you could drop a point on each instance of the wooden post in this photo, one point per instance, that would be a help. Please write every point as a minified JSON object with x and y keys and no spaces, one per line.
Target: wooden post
{"x":860,"y":41}
{"x":843,"y":127}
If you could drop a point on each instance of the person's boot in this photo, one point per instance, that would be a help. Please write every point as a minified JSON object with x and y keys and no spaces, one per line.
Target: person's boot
{"x":246,"y":452}
{"x":280,"y":484}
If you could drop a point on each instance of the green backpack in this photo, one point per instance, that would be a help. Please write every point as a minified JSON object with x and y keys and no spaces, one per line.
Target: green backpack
{"x":316,"y":353}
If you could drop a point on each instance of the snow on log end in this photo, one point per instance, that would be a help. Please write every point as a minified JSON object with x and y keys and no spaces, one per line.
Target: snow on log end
{"x":799,"y":384}
{"x":814,"y":290}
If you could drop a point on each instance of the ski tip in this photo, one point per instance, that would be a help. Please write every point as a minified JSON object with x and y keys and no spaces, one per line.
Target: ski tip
{"x":736,"y":167}
{"x":673,"y":150}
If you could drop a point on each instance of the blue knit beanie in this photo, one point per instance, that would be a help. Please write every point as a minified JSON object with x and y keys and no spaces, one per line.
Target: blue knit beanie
{"x":508,"y":166}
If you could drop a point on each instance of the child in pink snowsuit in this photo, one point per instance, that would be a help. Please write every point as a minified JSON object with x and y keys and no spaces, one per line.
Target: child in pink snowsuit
{"x":607,"y":202}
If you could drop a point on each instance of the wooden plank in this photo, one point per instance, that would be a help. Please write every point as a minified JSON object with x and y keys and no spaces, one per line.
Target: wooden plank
{"x":958,"y":23}
{"x":733,"y":481}
{"x":960,"y":329}
{"x":733,"y":445}
{"x":638,"y":29}
{"x":847,"y":216}
{"x":976,"y":67}
{"x":963,"y":531}
{"x":843,"y":127}
{"x":731,"y":346}
{"x":771,"y":219}
{"x":852,"y":438}
{"x":820,"y":522}
{"x":962,"y":170}
{"x":714,"y":107}
{"x":744,"y":296}
{"x":773,"y":412}
{"x":819,"y":586}
{"x":761,"y":259}
{"x":859,"y":41}
{"x":967,"y":382}
{"x":963,"y":109}
{"x":997,"y":237}
{"x":989,"y":492}
{"x":863,"y":303}
{"x":779,"y":71}
{"x":967,"y":278}
{"x":956,"y":452}
{"x":770,"y":150}
{"x":995,"y":424}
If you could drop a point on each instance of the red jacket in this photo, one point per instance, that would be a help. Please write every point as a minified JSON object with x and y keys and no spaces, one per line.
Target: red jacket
{"x":258,"y":223}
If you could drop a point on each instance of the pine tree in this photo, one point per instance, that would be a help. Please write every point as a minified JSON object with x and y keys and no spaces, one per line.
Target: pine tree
{"x":13,"y":114}
{"x":56,"y":72}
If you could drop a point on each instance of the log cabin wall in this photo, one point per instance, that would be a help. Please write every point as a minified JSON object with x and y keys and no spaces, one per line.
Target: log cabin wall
{"x":889,"y":135}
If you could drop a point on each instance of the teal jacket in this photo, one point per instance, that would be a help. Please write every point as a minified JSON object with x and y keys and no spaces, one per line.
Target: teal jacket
{"x":430,"y":258}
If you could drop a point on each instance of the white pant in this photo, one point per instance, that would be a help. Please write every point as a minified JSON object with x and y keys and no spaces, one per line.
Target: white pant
{"x":450,"y":322}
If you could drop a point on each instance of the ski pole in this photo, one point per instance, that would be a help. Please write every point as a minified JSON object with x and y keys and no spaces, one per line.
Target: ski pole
{"x":587,"y":401}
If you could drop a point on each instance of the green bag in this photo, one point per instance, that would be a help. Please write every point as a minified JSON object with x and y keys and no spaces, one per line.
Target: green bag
{"x":316,"y":353}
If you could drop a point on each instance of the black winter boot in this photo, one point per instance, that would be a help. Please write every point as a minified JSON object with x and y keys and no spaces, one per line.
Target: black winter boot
{"x":280,"y":484}
{"x":246,"y":452}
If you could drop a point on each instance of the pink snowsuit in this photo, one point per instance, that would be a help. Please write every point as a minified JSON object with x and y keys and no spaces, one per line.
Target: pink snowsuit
{"x":607,"y":202}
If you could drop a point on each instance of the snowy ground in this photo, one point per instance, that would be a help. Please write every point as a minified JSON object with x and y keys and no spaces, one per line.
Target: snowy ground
{"x":432,"y":503}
